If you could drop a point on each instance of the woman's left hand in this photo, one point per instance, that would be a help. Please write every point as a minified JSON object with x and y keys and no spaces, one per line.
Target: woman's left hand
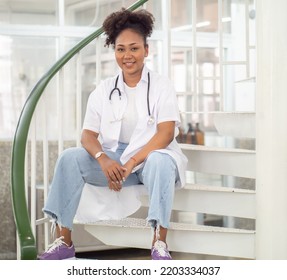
{"x":130,"y":164}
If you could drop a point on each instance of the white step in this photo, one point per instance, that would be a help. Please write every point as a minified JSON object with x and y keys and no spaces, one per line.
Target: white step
{"x":132,"y":232}
{"x":235,"y":124}
{"x":214,"y":200}
{"x":222,"y":161}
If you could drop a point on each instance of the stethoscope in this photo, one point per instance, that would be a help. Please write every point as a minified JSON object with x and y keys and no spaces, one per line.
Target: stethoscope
{"x":151,"y":118}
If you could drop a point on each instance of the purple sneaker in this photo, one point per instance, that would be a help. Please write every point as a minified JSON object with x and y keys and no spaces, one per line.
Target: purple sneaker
{"x":159,"y":251}
{"x":58,"y":250}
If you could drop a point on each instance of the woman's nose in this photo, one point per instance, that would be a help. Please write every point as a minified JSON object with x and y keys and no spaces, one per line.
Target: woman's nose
{"x":127,"y":53}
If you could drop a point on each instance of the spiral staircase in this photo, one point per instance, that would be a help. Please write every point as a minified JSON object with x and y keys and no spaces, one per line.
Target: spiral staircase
{"x":193,"y":201}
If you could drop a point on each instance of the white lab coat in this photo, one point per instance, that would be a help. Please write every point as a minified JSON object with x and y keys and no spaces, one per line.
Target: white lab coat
{"x":104,"y":117}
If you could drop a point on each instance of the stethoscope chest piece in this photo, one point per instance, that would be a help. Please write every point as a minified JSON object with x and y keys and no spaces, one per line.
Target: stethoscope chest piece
{"x":150,"y":120}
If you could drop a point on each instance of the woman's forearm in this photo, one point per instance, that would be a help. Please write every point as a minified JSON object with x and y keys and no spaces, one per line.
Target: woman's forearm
{"x":90,"y":142}
{"x":163,"y":137}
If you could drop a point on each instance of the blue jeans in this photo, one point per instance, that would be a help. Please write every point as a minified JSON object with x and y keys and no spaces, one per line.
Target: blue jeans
{"x":76,"y":166}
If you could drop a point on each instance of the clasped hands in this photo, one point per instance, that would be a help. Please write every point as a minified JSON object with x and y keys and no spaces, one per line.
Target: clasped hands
{"x":116,"y":173}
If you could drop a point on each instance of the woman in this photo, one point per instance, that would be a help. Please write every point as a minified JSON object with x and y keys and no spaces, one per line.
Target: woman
{"x":128,"y":138}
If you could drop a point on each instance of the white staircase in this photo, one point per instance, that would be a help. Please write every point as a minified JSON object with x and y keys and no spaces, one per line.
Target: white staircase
{"x":190,"y":237}
{"x":182,"y":237}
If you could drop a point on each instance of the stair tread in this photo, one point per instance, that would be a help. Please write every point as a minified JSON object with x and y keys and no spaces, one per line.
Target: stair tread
{"x":200,"y":187}
{"x":192,"y":147}
{"x":238,"y":125}
{"x":232,"y":113}
{"x":142,"y":223}
{"x":221,"y":112}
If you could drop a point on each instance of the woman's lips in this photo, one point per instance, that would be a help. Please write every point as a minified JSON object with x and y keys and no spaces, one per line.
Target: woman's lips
{"x":128,"y":64}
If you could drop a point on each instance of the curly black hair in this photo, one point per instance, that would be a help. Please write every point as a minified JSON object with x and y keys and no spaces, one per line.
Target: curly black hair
{"x":140,"y":21}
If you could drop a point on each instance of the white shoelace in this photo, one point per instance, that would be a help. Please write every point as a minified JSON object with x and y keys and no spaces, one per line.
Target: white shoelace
{"x":56,"y":244}
{"x":161,"y":248}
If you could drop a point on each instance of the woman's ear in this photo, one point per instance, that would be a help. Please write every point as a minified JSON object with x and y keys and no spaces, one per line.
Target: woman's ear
{"x":146,"y":50}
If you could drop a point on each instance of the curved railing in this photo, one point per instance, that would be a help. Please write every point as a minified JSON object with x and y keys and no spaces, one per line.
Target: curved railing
{"x":27,"y":244}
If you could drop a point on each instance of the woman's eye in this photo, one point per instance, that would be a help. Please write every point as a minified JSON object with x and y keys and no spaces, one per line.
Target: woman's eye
{"x":134,"y":49}
{"x":120,"y":49}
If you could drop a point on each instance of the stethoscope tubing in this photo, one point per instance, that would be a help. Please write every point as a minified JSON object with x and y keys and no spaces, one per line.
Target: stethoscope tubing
{"x":147,"y":94}
{"x":120,"y":95}
{"x":115,"y":88}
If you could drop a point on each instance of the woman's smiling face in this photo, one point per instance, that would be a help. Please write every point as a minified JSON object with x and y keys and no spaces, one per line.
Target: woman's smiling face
{"x":130,"y":52}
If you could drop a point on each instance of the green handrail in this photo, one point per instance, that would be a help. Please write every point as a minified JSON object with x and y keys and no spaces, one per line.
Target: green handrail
{"x":27,"y":244}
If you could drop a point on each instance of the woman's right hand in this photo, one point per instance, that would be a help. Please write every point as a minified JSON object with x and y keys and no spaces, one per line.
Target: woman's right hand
{"x":114,"y":172}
